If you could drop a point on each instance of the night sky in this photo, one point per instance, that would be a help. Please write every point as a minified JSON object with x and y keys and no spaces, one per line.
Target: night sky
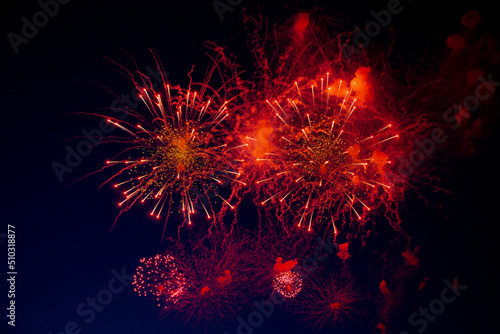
{"x":65,"y":252}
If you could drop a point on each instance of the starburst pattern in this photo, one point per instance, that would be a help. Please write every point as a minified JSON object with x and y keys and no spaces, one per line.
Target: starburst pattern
{"x":326,"y":156}
{"x":180,"y":150}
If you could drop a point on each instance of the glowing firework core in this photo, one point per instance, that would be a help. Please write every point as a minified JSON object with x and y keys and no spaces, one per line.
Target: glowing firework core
{"x":317,"y":156}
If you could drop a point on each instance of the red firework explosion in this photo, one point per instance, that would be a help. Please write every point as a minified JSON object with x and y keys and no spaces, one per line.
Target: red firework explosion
{"x":213,"y":279}
{"x":287,"y":283}
{"x":179,"y":149}
{"x":277,"y":250}
{"x":159,"y":278}
{"x":324,"y":156}
{"x":327,"y":301}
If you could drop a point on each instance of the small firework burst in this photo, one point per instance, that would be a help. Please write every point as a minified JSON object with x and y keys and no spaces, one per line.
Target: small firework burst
{"x":180,"y":149}
{"x":277,"y":251}
{"x":287,"y":283}
{"x":220,"y":275}
{"x":324,"y":157}
{"x":326,"y":301}
{"x":159,"y":278}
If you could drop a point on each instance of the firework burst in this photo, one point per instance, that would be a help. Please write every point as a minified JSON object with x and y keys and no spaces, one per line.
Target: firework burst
{"x":159,"y":278}
{"x":220,"y":274}
{"x":180,"y":149}
{"x":287,"y":283}
{"x":325,"y":156}
{"x":327,"y":301}
{"x":204,"y":281}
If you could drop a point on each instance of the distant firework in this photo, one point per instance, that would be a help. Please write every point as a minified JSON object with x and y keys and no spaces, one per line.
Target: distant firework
{"x":209,"y":280}
{"x":287,"y":283}
{"x":159,"y":278}
{"x":327,"y":301}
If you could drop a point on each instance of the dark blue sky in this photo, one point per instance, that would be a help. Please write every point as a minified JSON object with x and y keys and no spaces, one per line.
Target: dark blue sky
{"x":65,"y":252}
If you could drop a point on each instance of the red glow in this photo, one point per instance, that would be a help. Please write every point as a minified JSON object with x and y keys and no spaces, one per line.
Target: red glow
{"x":326,"y":301}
